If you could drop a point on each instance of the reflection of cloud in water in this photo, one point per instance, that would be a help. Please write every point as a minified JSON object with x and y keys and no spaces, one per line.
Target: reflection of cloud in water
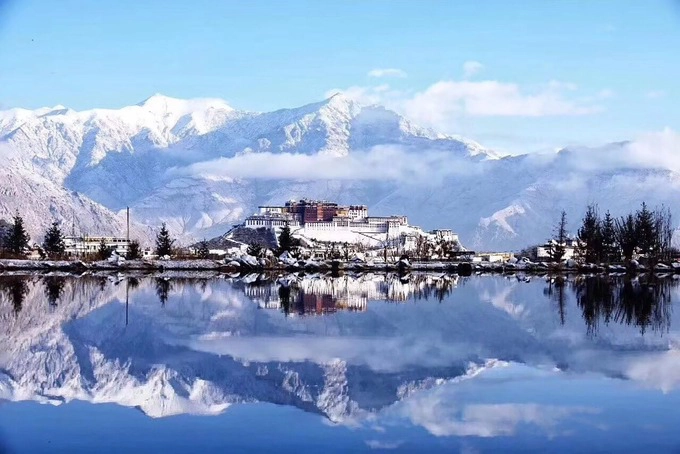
{"x":386,"y":354}
{"x":446,"y":410}
{"x":657,"y":370}
{"x":379,"y":444}
{"x":502,"y":300}
{"x":482,"y":420}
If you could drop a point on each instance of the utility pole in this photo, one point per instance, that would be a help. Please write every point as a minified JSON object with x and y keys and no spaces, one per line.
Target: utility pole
{"x":128,"y":224}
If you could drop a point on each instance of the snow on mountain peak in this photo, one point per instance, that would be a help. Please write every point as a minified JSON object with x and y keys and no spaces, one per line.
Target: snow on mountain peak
{"x":123,"y":157}
{"x":341,"y":100}
{"x":161,"y":104}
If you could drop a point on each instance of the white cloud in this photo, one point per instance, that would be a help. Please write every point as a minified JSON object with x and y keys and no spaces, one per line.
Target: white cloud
{"x":656,"y":149}
{"x":605,"y":93}
{"x":445,"y":101}
{"x":471,"y":68}
{"x":377,"y":444}
{"x":443,"y":104}
{"x":655,"y":94}
{"x":651,"y":150}
{"x":379,"y":163}
{"x":379,"y":94}
{"x":387,"y":72}
{"x":561,"y":85}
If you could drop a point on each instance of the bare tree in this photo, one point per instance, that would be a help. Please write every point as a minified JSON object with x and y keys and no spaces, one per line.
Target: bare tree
{"x":422,"y":247}
{"x":663,"y":230}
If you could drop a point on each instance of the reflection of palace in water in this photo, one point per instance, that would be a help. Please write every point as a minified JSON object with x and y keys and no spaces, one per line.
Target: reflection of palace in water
{"x":323,"y":295}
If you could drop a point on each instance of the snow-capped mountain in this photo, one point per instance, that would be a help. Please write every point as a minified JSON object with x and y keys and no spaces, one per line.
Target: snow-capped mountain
{"x":201,"y":166}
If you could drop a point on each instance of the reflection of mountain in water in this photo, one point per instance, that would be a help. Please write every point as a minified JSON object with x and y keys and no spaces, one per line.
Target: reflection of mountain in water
{"x":208,"y":343}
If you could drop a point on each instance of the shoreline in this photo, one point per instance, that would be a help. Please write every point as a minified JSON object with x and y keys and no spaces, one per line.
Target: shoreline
{"x":250,"y":266}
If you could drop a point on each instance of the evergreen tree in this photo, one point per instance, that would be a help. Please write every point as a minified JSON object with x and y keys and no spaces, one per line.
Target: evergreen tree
{"x":558,"y":245}
{"x":164,"y":242}
{"x":590,"y":236}
{"x":4,"y":232}
{"x":203,"y":251}
{"x":286,"y":241}
{"x":645,"y":230}
{"x":626,"y":236}
{"x":54,"y":242}
{"x":104,"y":252}
{"x":134,"y":251}
{"x":255,"y":250}
{"x":608,"y":231}
{"x":17,"y":240}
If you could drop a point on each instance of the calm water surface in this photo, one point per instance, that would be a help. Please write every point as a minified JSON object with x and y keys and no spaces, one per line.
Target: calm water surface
{"x":356,"y":363}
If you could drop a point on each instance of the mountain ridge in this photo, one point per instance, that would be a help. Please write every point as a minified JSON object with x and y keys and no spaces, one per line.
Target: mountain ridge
{"x":198,"y":165}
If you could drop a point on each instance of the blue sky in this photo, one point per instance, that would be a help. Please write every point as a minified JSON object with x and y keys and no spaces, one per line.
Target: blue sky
{"x":547,"y":74}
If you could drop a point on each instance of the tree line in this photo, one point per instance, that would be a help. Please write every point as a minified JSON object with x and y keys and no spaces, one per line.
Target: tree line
{"x":645,"y":233}
{"x":15,"y":240}
{"x":15,"y":243}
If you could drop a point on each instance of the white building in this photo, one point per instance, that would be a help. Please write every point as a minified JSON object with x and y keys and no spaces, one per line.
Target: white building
{"x":444,"y":235}
{"x":80,"y":246}
{"x":543,"y":252}
{"x":330,"y":222}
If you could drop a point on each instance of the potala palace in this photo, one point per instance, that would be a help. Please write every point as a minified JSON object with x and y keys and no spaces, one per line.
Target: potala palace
{"x":324,"y":221}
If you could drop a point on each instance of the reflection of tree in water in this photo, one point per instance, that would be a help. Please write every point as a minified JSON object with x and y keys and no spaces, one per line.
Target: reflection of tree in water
{"x":644,"y":301}
{"x":424,"y":287}
{"x":595,"y":296}
{"x":16,"y":289}
{"x":163,"y":287}
{"x":555,"y":291}
{"x":291,"y":299}
{"x":54,"y":286}
{"x":284,"y":298}
{"x":132,"y":283}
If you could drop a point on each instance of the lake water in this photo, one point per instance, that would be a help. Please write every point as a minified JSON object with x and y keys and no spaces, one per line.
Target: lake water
{"x":356,"y":363}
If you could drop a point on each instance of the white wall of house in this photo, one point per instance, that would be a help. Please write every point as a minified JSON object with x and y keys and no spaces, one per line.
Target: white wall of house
{"x":543,"y":253}
{"x":90,"y":245}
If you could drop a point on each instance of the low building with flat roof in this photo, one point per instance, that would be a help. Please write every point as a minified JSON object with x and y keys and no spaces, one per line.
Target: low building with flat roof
{"x":79,"y":246}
